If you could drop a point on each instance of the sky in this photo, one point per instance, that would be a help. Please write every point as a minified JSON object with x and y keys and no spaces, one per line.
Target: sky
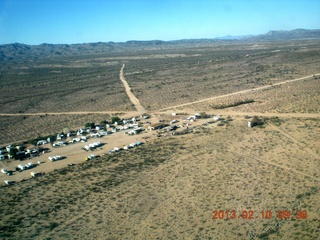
{"x":84,"y":21}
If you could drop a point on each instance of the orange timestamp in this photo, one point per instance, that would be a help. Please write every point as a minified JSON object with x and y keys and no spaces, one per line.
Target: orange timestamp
{"x":268,"y":214}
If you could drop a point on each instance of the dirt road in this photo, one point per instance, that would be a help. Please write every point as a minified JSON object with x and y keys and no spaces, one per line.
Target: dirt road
{"x":237,"y":113}
{"x":131,"y":96}
{"x":65,"y":113}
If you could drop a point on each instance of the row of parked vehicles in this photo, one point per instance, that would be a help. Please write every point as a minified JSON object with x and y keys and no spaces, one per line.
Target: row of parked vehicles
{"x":56,"y":158}
{"x":92,"y":146}
{"x":21,"y":168}
{"x":127,"y":147}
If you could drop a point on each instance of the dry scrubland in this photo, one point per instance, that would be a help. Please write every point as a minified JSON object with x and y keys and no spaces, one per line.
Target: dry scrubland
{"x":168,"y":188}
{"x":296,"y":97}
{"x":158,"y":78}
{"x":206,"y":72}
{"x":60,"y":87}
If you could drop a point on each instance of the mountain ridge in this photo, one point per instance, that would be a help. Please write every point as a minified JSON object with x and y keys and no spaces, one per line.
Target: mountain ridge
{"x":24,"y":52}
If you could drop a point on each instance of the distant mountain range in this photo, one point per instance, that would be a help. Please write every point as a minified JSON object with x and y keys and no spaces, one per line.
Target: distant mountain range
{"x":18,"y":52}
{"x":278,"y":35}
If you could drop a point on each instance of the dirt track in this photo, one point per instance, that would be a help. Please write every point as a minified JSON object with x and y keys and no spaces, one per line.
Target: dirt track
{"x":132,"y":97}
{"x":64,"y":113}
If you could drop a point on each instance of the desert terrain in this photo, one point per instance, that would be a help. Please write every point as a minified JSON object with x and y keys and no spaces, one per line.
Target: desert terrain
{"x":172,"y":186}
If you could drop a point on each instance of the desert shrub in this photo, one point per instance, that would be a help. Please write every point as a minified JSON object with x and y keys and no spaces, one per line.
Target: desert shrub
{"x":275,"y":120}
{"x":103,"y":122}
{"x":53,"y":225}
{"x":89,"y":125}
{"x":115,"y":119}
{"x":203,"y":115}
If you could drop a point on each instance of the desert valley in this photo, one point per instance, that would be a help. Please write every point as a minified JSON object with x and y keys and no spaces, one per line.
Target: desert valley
{"x":161,"y":140}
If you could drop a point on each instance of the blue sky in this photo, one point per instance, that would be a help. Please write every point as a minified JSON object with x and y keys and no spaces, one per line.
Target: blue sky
{"x":83,"y":21}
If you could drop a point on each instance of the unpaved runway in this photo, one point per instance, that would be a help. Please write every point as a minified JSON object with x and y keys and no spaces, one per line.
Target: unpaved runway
{"x":131,"y":96}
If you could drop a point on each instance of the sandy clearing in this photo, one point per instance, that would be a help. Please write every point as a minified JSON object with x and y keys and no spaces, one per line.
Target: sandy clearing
{"x":131,"y":96}
{"x":74,"y":154}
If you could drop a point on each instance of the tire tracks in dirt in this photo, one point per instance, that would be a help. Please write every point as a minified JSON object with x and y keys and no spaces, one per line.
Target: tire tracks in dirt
{"x":289,"y":169}
{"x":305,"y":148}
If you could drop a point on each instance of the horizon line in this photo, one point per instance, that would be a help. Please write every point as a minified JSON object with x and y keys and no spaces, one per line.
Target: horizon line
{"x":221,"y":38}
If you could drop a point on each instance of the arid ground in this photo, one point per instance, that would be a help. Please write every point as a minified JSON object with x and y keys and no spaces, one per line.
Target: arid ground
{"x":173,"y":186}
